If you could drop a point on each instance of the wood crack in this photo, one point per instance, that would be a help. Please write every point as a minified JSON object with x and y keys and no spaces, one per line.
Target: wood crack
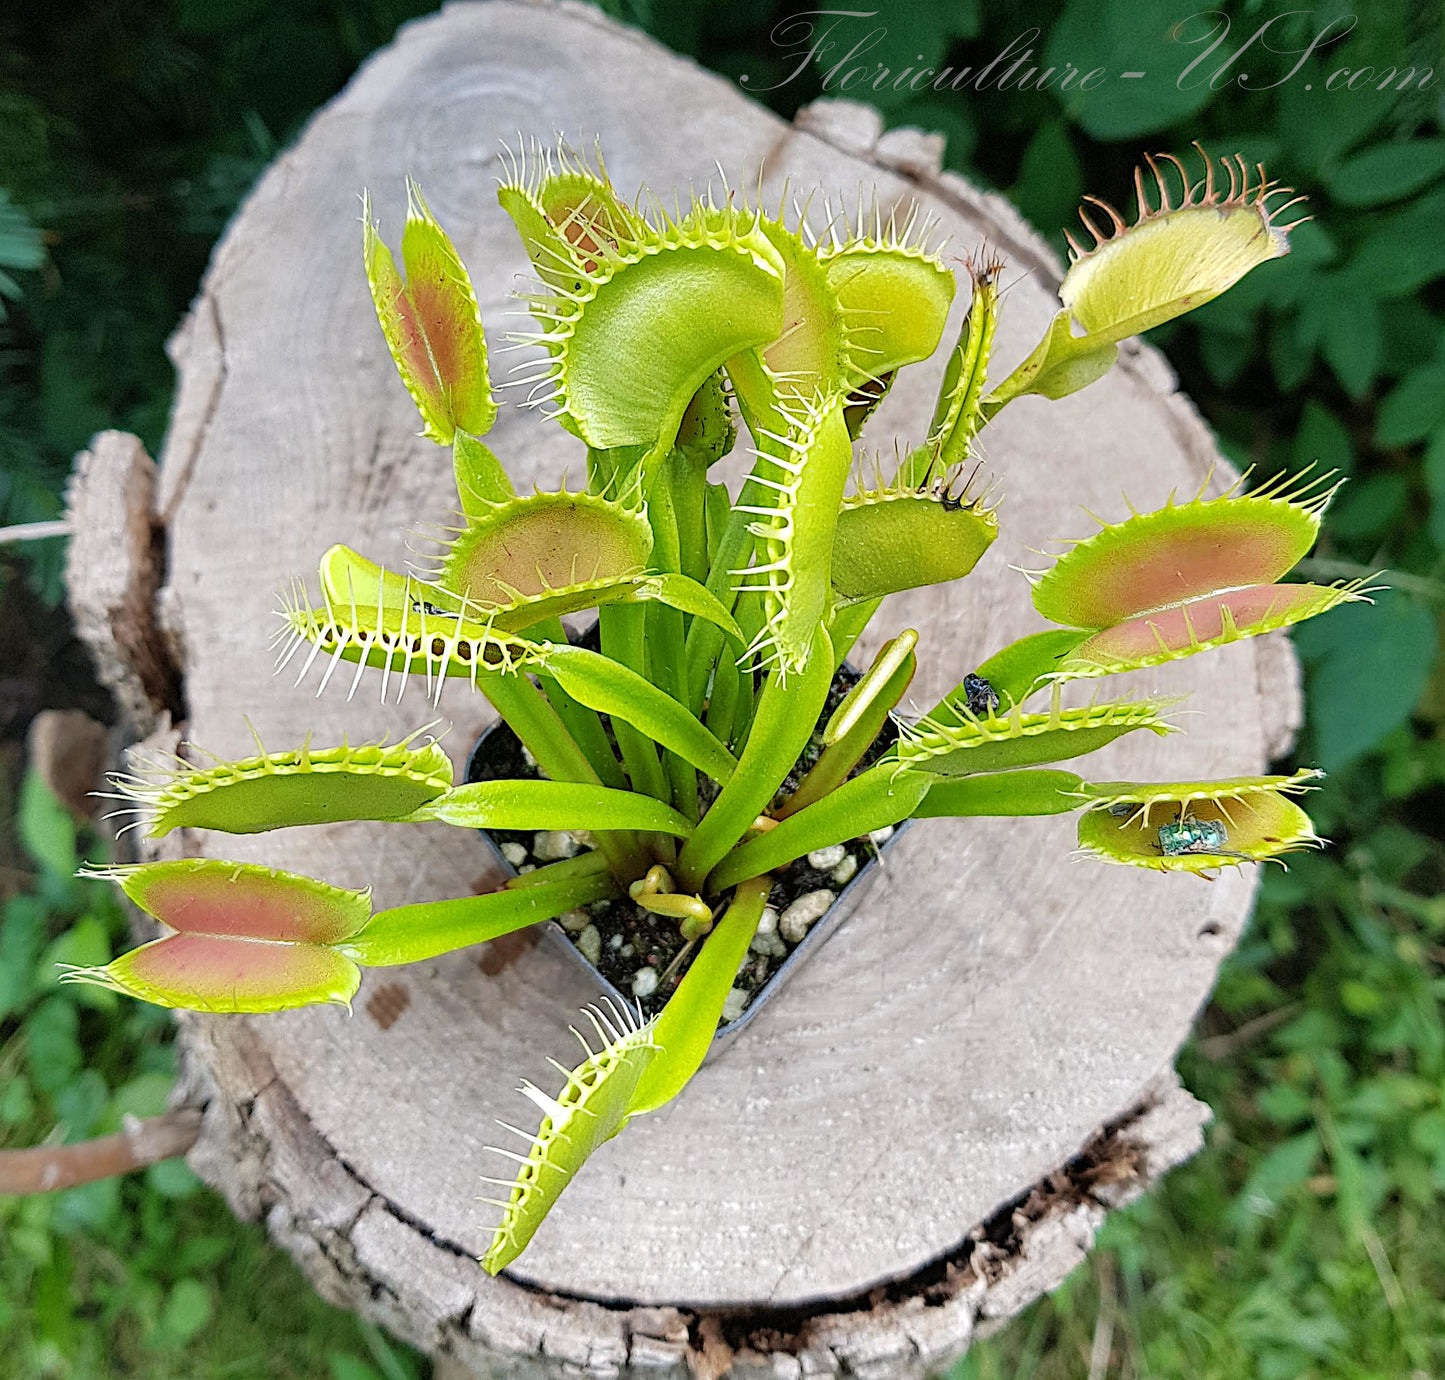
{"x":115,"y":568}
{"x":400,"y":1213}
{"x":200,"y":429}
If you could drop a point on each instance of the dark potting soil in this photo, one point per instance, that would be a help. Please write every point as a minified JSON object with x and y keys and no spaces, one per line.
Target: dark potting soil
{"x":621,"y":939}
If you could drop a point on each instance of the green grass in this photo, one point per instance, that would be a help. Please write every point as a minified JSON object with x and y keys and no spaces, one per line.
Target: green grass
{"x":1308,"y":1238}
{"x":155,"y":1278}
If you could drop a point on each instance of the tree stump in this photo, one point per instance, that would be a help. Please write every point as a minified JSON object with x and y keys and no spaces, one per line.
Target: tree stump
{"x":923,"y":1132}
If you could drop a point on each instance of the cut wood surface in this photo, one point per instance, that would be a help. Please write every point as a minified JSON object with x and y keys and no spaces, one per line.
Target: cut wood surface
{"x":925,"y":1129}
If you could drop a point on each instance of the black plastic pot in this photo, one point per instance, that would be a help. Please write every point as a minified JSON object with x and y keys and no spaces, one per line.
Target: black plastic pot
{"x":498,"y":754}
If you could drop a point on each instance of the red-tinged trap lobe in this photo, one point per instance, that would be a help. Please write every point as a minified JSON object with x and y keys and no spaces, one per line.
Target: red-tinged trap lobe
{"x":411,"y":341}
{"x":445,"y":313}
{"x":545,"y":542}
{"x":1222,"y":617}
{"x":1173,"y":556}
{"x":590,"y":226}
{"x":225,"y":899}
{"x":213,"y":973}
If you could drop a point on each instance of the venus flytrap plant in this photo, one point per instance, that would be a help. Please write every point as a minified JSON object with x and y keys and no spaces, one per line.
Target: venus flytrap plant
{"x":372,"y":781}
{"x":248,"y":938}
{"x":696,"y":750}
{"x":1193,"y":825}
{"x":1191,"y":576}
{"x":593,"y":1105}
{"x":1183,"y":249}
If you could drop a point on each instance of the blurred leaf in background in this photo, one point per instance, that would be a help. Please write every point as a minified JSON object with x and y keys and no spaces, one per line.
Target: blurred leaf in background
{"x":129,"y":132}
{"x":21,"y":248}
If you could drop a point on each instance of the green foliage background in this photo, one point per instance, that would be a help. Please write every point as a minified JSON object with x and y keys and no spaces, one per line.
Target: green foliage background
{"x":1309,"y":1238}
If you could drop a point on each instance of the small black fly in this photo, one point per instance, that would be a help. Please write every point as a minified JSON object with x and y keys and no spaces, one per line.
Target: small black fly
{"x":979,"y":696}
{"x":423,"y":606}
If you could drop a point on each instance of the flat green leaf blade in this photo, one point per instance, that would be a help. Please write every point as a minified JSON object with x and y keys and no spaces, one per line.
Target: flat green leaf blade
{"x":1060,"y":364}
{"x":1015,"y":670}
{"x":781,"y":728}
{"x":689,"y":1020}
{"x":687,"y":596}
{"x":585,"y":864}
{"x":611,"y":688}
{"x":1008,"y":793}
{"x":876,"y":798}
{"x":481,"y":480}
{"x":508,"y":804}
{"x":407,"y":934}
